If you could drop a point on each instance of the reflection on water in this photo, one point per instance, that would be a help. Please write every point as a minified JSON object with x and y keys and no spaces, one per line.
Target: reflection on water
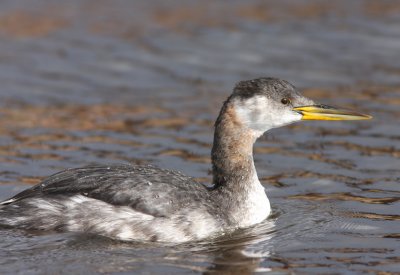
{"x":142,"y":82}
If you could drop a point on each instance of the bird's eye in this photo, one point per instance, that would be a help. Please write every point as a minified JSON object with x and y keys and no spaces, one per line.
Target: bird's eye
{"x":285,"y":101}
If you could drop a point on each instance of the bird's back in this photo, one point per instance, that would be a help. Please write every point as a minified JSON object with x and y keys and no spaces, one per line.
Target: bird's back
{"x":95,"y":198}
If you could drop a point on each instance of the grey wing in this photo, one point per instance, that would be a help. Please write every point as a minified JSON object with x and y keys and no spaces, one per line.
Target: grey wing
{"x":147,"y":189}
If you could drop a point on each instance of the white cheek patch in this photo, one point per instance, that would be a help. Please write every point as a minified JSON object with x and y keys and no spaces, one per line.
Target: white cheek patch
{"x":261,"y":114}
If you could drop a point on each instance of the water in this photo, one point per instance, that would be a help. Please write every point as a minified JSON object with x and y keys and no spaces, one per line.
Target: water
{"x":89,"y":82}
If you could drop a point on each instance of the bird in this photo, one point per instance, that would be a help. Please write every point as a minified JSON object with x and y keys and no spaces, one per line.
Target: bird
{"x":145,"y":203}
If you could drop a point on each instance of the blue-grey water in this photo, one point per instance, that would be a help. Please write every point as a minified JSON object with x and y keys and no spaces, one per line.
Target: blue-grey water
{"x":91,"y":81}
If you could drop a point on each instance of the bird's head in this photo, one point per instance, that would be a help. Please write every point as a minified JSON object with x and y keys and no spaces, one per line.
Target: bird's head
{"x":265,"y":103}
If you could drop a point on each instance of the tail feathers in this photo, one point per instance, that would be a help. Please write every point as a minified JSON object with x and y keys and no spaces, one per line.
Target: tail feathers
{"x":6,"y":202}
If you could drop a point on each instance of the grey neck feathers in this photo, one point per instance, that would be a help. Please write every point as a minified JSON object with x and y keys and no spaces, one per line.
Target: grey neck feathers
{"x":232,"y":152}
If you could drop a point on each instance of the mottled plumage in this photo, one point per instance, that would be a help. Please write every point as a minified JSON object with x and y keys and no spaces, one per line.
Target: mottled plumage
{"x":143,"y":196}
{"x":130,"y":202}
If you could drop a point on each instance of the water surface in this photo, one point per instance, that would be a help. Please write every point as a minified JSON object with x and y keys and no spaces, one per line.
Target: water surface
{"x":89,"y":82}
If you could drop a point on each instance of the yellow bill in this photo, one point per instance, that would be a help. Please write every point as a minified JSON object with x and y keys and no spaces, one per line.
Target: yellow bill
{"x":324,"y":112}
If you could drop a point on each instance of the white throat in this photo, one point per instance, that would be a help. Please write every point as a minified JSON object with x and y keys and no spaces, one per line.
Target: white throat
{"x":258,"y":205}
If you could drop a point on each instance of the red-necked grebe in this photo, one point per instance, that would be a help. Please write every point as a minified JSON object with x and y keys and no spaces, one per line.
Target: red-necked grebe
{"x":128,"y":202}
